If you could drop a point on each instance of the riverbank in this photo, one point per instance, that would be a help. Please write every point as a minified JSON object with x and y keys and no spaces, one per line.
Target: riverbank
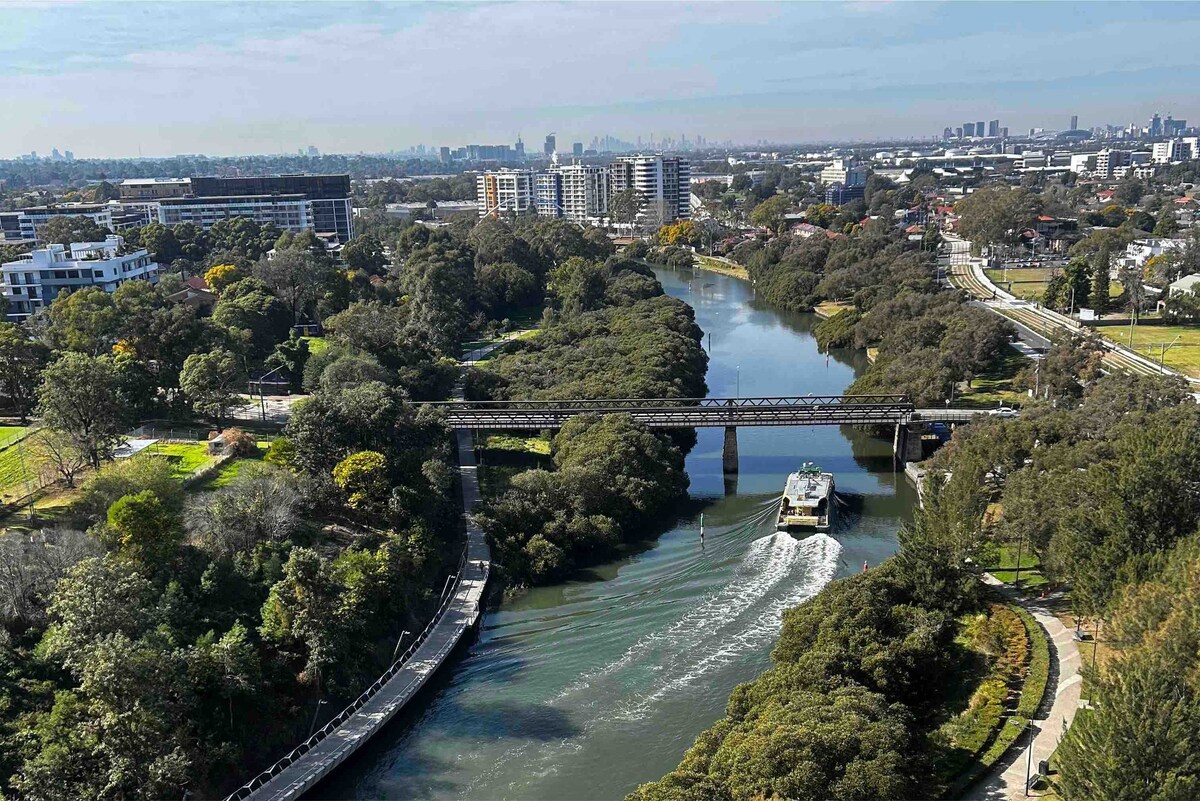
{"x":717,"y":264}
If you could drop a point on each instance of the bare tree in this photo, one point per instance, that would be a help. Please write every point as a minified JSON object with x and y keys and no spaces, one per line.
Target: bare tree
{"x":263,"y":503}
{"x":62,"y":459}
{"x":30,"y":566}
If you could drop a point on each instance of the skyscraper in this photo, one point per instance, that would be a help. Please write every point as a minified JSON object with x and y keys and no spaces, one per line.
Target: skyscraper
{"x":1074,"y":122}
{"x":968,"y":129}
{"x":551,"y":146}
{"x":577,"y":149}
{"x":994,"y":128}
{"x":979,"y":129}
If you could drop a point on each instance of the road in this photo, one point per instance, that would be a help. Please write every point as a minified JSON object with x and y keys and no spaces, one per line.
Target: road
{"x":1034,"y":323}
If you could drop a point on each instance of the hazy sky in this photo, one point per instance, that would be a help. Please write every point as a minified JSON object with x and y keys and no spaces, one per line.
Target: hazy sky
{"x":110,"y":79}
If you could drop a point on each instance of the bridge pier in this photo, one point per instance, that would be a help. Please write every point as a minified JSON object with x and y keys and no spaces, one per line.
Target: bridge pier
{"x":729,"y":456}
{"x":906,"y":444}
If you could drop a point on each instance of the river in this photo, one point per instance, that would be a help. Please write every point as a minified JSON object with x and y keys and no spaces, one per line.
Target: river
{"x":584,"y":690}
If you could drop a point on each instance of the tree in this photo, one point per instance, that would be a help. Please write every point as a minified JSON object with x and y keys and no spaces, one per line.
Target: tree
{"x":577,"y":284}
{"x":1100,"y":281}
{"x":21,"y":363}
{"x":85,"y":321}
{"x":1130,"y":190}
{"x":162,"y":243}
{"x":220,"y":276}
{"x":365,"y":253}
{"x":820,"y":214}
{"x":296,"y":276}
{"x":63,"y":229}
{"x":212,"y":382}
{"x":140,"y":527}
{"x":263,"y":503}
{"x":624,"y":206}
{"x":80,"y":397}
{"x":243,"y":236}
{"x":1166,"y":225}
{"x":301,"y":614}
{"x":256,"y":318}
{"x":60,"y":454}
{"x":996,"y":214}
{"x":363,"y":477}
{"x":115,"y":480}
{"x":770,"y":213}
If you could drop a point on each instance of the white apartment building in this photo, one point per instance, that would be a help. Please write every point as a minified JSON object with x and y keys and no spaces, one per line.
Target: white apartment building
{"x":288,"y":212}
{"x":154,"y":188}
{"x":504,"y":192}
{"x":844,"y":172}
{"x":584,"y":192}
{"x":547,"y":194}
{"x":35,"y":280}
{"x":1109,"y":162}
{"x":1173,"y":150}
{"x":663,"y":181}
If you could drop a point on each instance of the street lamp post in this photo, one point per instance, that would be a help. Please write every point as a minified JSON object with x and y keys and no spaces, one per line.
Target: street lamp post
{"x":313,"y":727}
{"x":399,"y":640}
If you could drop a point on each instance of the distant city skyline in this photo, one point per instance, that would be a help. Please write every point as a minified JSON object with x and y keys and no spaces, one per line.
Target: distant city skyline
{"x":240,"y":79}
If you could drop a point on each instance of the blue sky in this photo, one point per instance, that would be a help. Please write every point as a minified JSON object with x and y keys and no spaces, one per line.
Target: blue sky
{"x":110,"y":79}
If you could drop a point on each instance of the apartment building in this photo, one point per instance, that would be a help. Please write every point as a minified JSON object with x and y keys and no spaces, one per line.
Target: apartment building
{"x":844,"y":172}
{"x":664,"y":182}
{"x":22,"y":225}
{"x":34,"y":280}
{"x":584,"y":192}
{"x":287,"y":212}
{"x":504,"y":192}
{"x":327,"y":197}
{"x":547,"y":194}
{"x":1109,"y":163}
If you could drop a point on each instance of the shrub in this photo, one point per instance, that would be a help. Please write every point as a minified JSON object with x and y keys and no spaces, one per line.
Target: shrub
{"x":239,"y":442}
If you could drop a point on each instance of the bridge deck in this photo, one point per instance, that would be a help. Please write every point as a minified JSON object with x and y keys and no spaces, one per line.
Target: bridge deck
{"x":700,"y":412}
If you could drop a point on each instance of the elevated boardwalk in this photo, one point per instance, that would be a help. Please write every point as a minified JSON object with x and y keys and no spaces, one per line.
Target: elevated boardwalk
{"x":316,"y":757}
{"x":701,"y":412}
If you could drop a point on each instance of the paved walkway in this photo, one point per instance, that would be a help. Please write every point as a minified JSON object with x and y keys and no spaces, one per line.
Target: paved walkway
{"x":1006,"y":782}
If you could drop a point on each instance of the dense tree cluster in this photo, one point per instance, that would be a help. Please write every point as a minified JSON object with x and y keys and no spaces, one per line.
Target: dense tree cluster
{"x":613,"y":479}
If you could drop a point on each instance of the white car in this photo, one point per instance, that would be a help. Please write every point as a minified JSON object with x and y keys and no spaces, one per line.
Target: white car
{"x":1003,"y":411}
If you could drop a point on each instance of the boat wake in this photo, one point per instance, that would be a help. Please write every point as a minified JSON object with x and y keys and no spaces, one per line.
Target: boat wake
{"x":778,"y":571}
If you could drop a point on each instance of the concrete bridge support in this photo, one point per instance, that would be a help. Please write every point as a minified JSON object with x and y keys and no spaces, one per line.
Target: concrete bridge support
{"x":729,"y":457}
{"x":906,"y":444}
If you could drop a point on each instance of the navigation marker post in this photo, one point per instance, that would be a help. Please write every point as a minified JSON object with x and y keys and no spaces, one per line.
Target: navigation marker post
{"x":702,"y":527}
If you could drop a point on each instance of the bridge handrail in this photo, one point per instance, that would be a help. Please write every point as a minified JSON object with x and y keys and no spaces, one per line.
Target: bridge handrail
{"x":334,"y":723}
{"x":617,"y":404}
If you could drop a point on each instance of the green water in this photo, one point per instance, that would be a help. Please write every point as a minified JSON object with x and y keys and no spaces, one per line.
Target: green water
{"x":586,"y":689}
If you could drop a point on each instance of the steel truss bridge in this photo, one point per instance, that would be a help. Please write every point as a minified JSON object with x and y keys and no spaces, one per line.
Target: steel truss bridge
{"x":807,"y":410}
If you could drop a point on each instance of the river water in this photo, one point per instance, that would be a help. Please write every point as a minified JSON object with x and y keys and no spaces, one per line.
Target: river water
{"x":586,"y":689}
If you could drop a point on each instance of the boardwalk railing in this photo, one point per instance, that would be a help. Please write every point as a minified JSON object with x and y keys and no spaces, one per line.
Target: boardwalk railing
{"x":448,"y":593}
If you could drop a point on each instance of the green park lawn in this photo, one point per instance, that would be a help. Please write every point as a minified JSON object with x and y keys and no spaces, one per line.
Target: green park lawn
{"x":1029,"y":283}
{"x":185,"y":457}
{"x":231,"y":470}
{"x":17,"y":464}
{"x":1005,"y":569}
{"x":997,"y":385}
{"x":1183,"y":355}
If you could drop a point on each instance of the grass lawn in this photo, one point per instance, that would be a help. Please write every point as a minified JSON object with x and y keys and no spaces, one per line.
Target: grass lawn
{"x":185,"y":457}
{"x":1183,"y":356}
{"x":996,"y":386}
{"x":316,"y":344}
{"x":718,"y":266}
{"x":828,"y":308}
{"x":230,"y":470}
{"x":13,"y":474}
{"x":1006,"y":568}
{"x":502,"y":456}
{"x":9,"y":434}
{"x":1030,"y":282}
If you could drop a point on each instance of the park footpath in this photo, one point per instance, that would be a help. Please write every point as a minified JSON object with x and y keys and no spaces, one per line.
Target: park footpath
{"x":1006,"y":782}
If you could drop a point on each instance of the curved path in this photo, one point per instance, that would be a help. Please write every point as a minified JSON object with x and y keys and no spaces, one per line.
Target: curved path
{"x":1006,"y":782}
{"x":461,"y":614}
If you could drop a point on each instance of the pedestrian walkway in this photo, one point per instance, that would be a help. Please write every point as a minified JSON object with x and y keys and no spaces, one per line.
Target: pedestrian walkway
{"x":1006,"y":782}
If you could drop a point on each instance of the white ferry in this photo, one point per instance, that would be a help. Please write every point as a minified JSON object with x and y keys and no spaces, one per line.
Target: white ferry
{"x":807,"y":502}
